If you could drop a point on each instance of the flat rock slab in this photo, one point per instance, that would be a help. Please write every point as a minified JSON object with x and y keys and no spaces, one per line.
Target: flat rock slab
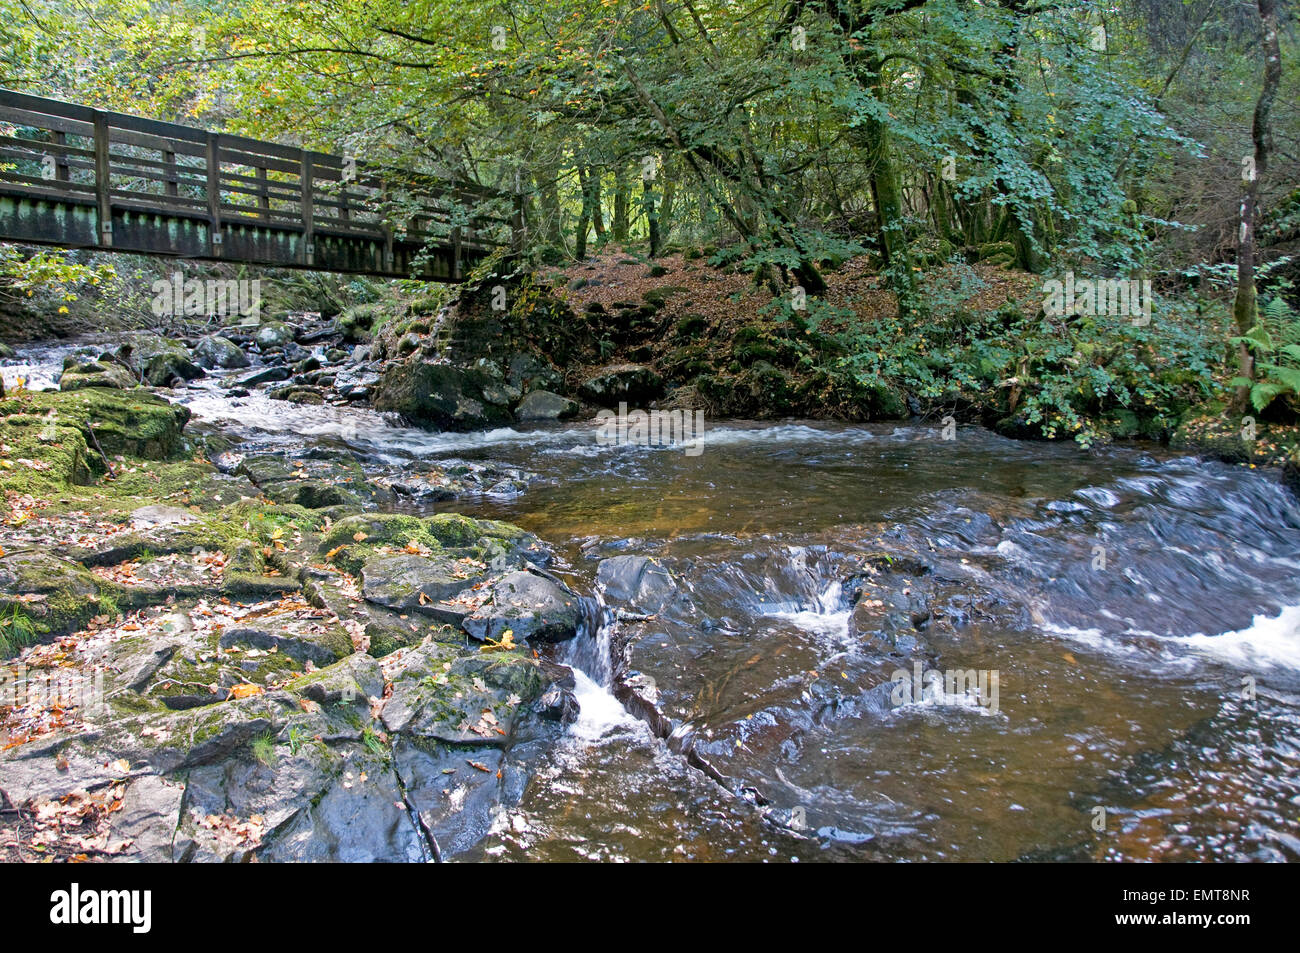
{"x":411,"y":583}
{"x":149,"y":517}
{"x":534,"y":608}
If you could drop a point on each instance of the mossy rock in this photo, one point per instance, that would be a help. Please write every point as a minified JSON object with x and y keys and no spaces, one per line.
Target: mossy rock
{"x":135,"y":424}
{"x":55,"y":596}
{"x":96,"y":374}
{"x":39,"y":455}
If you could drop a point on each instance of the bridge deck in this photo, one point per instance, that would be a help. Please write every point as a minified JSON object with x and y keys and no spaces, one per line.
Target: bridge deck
{"x":86,"y":178}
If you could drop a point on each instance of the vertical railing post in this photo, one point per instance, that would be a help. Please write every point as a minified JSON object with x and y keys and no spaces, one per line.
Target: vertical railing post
{"x":386,"y":228}
{"x":455,"y":253}
{"x":263,"y":193}
{"x":308,"y":211}
{"x":213,"y":186}
{"x":103,"y":181}
{"x":173,"y":182}
{"x":61,"y":163}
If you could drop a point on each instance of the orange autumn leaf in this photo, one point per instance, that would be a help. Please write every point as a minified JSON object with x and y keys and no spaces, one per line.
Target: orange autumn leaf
{"x":245,"y":690}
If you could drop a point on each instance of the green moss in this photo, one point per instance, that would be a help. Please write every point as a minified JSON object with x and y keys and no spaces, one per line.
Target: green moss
{"x":137,"y":424}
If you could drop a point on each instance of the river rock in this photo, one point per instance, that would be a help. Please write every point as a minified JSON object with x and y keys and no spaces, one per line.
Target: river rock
{"x":97,"y":374}
{"x":267,"y":375}
{"x":535,"y":608}
{"x":636,"y":581}
{"x":167,"y":370}
{"x":442,"y":395}
{"x":544,"y":405}
{"x":214,"y":351}
{"x":633,"y":383}
{"x":410,"y":583}
{"x":273,"y":334}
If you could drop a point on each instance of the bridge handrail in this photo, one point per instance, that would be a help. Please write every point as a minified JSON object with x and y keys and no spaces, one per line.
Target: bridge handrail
{"x":205,"y":174}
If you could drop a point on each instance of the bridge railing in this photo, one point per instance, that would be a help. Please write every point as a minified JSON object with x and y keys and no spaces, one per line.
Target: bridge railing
{"x":128,"y":164}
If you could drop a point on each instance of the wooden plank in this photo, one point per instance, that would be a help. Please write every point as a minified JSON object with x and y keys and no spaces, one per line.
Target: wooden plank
{"x":103,"y":183}
{"x":50,"y":107}
{"x":308,"y":211}
{"x":214,"y":196}
{"x":45,"y":188}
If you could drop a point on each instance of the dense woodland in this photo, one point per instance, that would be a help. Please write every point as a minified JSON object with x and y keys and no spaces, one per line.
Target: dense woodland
{"x":1150,"y":140}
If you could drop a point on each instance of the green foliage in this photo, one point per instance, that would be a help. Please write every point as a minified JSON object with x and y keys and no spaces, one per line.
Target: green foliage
{"x":1275,"y":342}
{"x":49,"y":274}
{"x":263,"y":748}
{"x":17,"y":631}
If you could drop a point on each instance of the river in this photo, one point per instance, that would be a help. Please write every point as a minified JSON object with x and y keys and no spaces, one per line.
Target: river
{"x":1129,"y":619}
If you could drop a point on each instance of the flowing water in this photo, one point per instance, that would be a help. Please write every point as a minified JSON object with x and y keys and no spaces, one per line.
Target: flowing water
{"x":1131,"y":618}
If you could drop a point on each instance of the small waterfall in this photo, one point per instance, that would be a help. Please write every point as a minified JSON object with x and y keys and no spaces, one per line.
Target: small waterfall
{"x":589,"y":650}
{"x":588,"y":654}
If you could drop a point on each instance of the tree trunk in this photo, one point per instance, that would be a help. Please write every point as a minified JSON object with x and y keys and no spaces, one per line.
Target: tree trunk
{"x":1245,"y":309}
{"x":622,"y":201}
{"x":584,"y":217}
{"x":597,"y":217}
{"x":548,"y":197}
{"x":651,"y":216}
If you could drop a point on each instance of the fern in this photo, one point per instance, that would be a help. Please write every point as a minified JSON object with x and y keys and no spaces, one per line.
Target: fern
{"x":1275,"y":341}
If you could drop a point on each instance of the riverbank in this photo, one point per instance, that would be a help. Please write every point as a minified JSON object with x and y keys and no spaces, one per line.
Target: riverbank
{"x":253,"y":614}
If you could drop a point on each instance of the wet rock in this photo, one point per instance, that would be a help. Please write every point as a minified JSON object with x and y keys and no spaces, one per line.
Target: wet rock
{"x":214,"y":351}
{"x":355,"y":383}
{"x":890,"y":616}
{"x":637,"y":581}
{"x":441,"y":395}
{"x":633,"y":383}
{"x":543,"y":405}
{"x":169,"y":369}
{"x":266,"y":376}
{"x":535,"y":608}
{"x":357,"y":820}
{"x":299,"y":394}
{"x":97,"y":374}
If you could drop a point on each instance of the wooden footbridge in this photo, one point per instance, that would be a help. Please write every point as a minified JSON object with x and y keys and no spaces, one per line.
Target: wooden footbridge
{"x":86,"y":178}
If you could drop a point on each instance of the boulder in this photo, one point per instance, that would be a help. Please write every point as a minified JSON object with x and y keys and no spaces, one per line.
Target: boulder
{"x":214,"y":351}
{"x":535,"y":608}
{"x":544,"y":405}
{"x":273,"y":334}
{"x":97,"y":374}
{"x":633,"y":383}
{"x":169,"y":369}
{"x":442,"y":395}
